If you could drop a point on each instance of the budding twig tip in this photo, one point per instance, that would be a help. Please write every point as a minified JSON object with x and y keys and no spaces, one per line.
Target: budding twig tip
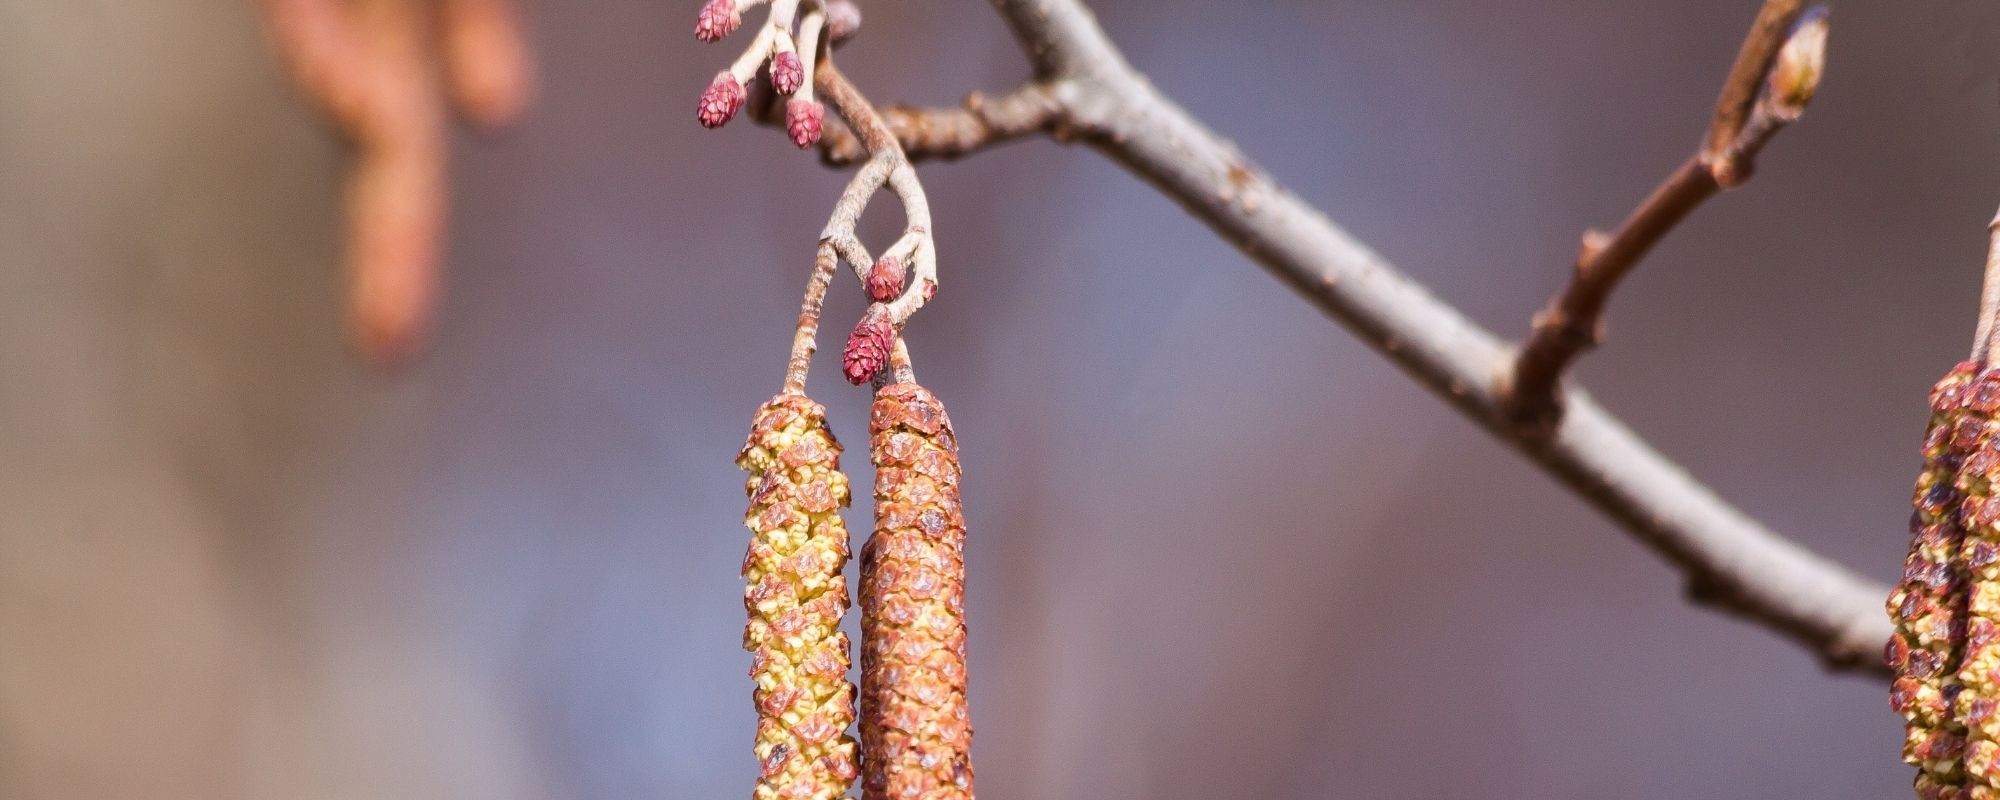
{"x":868,"y":347}
{"x":718,"y":19}
{"x":1796,"y":70}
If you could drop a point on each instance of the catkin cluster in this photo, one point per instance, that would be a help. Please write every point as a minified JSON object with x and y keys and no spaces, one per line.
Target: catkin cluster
{"x":796,"y":596}
{"x":916,"y":735}
{"x":1947,"y":605}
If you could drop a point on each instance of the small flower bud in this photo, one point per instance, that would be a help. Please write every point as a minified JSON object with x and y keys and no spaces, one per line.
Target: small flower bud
{"x":804,"y":120}
{"x":868,"y":347}
{"x":787,"y":73}
{"x":843,"y":19}
{"x":718,"y":18}
{"x":720,"y":101}
{"x":885,"y":279}
{"x":1795,"y":73}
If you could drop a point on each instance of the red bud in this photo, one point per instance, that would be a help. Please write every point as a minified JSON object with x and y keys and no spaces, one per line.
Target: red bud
{"x":718,"y":18}
{"x":843,"y":19}
{"x":885,"y":280}
{"x":868,"y":347}
{"x":787,"y":73}
{"x":720,"y":101}
{"x":804,"y":120}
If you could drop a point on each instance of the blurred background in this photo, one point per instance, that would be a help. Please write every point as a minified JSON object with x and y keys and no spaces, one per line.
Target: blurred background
{"x":1218,"y":548}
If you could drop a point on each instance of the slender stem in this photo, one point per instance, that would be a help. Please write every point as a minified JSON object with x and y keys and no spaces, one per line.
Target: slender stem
{"x":1989,"y":299}
{"x":805,"y":337}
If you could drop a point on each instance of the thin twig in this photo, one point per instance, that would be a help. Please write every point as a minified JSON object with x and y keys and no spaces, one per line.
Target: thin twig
{"x":886,"y":164}
{"x":950,"y":133}
{"x":1730,"y":562}
{"x":1573,"y":321}
{"x":805,"y":338}
{"x":1989,"y":299}
{"x":899,"y":363}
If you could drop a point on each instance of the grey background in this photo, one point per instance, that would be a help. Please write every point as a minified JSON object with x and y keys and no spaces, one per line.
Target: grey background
{"x":1219,"y":549}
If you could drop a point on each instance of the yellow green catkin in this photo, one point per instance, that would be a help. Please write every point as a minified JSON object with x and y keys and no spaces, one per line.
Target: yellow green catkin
{"x":796,"y":596}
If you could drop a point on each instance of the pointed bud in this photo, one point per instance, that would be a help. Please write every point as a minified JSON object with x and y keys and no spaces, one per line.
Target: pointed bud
{"x":885,"y":279}
{"x":787,"y":73}
{"x":1796,"y":71}
{"x":868,"y":347}
{"x":720,"y":101}
{"x":843,"y":19}
{"x":718,"y":18}
{"x":803,"y":120}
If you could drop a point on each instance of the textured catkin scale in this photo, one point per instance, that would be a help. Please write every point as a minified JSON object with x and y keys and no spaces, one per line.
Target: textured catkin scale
{"x":916,"y":734}
{"x":1972,"y":442}
{"x":796,"y":596}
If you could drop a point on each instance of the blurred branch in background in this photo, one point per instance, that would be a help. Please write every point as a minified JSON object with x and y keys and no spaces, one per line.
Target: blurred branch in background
{"x":383,"y":71}
{"x":1084,"y":90}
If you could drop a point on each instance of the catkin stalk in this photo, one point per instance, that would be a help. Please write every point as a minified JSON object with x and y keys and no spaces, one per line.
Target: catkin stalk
{"x":795,"y":596}
{"x":916,"y":734}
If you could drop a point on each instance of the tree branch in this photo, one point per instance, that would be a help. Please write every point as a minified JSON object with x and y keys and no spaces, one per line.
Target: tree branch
{"x":1730,"y":562}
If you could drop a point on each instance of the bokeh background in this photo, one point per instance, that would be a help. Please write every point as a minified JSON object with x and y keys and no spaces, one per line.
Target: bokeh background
{"x":1218,"y":548}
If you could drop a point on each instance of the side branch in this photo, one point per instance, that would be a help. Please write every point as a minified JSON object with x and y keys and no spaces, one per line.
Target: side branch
{"x":1573,"y":322}
{"x":1730,"y":562}
{"x":1574,"y":319}
{"x":948,"y":133}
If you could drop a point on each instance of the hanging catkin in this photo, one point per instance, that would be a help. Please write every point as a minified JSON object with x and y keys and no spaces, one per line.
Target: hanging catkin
{"x":1928,"y":605}
{"x":916,"y":735}
{"x":796,"y":596}
{"x":1977,"y":483}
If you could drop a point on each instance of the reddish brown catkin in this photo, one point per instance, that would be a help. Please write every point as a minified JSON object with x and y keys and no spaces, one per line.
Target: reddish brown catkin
{"x":1928,"y":651}
{"x":796,"y":597}
{"x":916,"y":735}
{"x":1978,"y":563}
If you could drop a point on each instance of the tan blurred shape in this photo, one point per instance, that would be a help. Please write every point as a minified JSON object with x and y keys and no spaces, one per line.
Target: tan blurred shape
{"x":382,"y":71}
